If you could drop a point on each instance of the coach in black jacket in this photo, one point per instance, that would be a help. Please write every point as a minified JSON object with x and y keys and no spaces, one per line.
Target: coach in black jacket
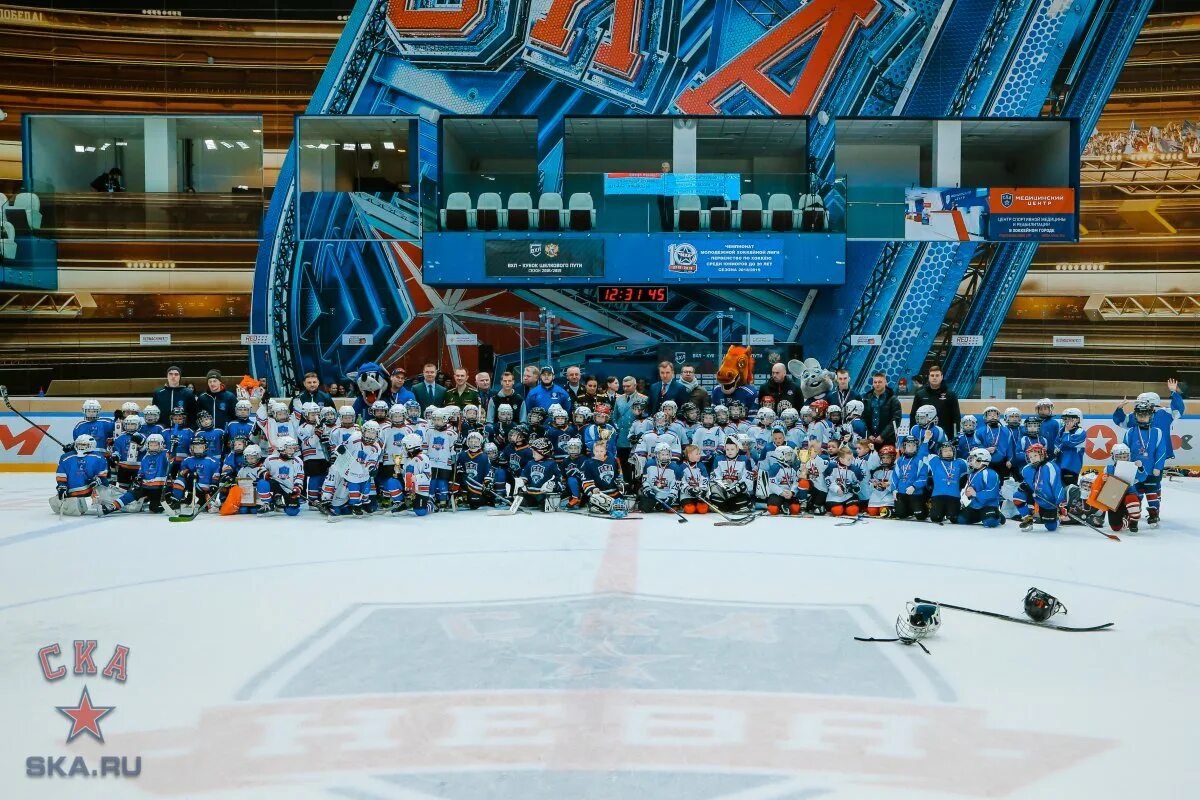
{"x":937,"y":394}
{"x":171,"y":396}
{"x":218,"y":401}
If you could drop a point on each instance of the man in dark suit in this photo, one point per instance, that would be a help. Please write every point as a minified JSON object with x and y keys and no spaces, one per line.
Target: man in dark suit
{"x":666,"y":388}
{"x":427,"y":390}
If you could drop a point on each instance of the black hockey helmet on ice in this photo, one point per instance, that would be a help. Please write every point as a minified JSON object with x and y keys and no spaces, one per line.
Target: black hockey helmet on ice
{"x":1041,"y":606}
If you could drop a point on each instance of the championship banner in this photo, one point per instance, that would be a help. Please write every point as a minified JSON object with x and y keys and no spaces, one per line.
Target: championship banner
{"x":673,"y":184}
{"x":562,"y":258}
{"x":725,"y":259}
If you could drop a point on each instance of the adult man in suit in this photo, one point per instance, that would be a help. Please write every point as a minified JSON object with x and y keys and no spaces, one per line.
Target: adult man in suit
{"x":667,"y":387}
{"x":428,"y":391}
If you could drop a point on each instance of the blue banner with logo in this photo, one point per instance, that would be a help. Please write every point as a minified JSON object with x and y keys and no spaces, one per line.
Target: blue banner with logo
{"x":1031,"y":227}
{"x":733,"y":259}
{"x":673,"y":184}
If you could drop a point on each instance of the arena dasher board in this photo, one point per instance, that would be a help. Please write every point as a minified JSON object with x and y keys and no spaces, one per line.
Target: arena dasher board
{"x":558,"y":58}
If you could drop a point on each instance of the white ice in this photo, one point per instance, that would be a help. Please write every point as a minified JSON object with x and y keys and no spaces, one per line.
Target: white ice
{"x":555,"y":656}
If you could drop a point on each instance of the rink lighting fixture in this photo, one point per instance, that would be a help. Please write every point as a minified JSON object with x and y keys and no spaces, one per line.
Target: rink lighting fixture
{"x":365,"y":146}
{"x":1081,"y":266}
{"x":348,"y":146}
{"x":91,"y":149}
{"x":210,"y":144}
{"x":227,"y":145}
{"x":323,"y":146}
{"x":243,"y":145}
{"x":389,"y":145}
{"x":105,"y":146}
{"x":122,"y":143}
{"x":256,"y":130}
{"x":79,"y":148}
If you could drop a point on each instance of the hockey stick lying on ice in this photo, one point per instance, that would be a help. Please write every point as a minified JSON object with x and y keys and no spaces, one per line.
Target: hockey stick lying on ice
{"x":44,"y":428}
{"x":1083,"y":521}
{"x":745,"y":519}
{"x":1017,"y":619}
{"x":664,"y":504}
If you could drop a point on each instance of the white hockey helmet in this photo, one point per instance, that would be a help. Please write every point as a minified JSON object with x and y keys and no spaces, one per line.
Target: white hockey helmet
{"x":470,"y":412}
{"x":474,"y":442}
{"x":346,"y":413}
{"x":574,"y":446}
{"x":969,"y":423}
{"x":276,"y":409}
{"x":428,"y":412}
{"x":242,"y":409}
{"x":789,"y":417}
{"x":310,"y":408}
{"x":288,"y":443}
{"x":784,"y":454}
{"x":397,"y":415}
{"x":371,"y":431}
{"x":1151,"y":396}
{"x":1045,"y":402}
{"x":669,"y":407}
{"x":151,"y":414}
{"x":379,"y":407}
{"x":131,"y":423}
{"x":662,"y":453}
{"x":1073,"y":412}
{"x":440,"y":417}
{"x":328,"y":415}
{"x":84,"y":444}
{"x":253,"y":454}
{"x":1120,"y":452}
{"x":855,"y":409}
{"x":412,"y":443}
{"x":979,"y":457}
{"x":926,"y":415}
{"x":130,"y":407}
{"x":91,"y":409}
{"x":1010,"y":413}
{"x":764,"y":417}
{"x":155,"y":439}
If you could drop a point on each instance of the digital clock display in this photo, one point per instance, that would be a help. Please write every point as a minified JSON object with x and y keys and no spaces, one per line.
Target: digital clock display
{"x":631,"y":294}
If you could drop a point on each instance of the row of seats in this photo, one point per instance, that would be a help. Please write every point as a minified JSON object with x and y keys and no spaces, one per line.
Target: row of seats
{"x":490,"y":213}
{"x":780,"y":215}
{"x":24,"y":213}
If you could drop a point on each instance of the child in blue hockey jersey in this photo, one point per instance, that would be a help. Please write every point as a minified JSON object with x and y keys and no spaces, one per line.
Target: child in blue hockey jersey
{"x":1048,"y":426}
{"x":79,"y":473}
{"x":242,"y":426}
{"x":572,"y":467}
{"x":602,"y":480}
{"x":1041,"y":492}
{"x":929,"y":434}
{"x":1068,"y":448}
{"x":993,"y":437}
{"x":1149,"y":451}
{"x":127,"y":450}
{"x":102,"y":430}
{"x":151,"y":416}
{"x":152,"y":479}
{"x":474,"y":471}
{"x":910,"y":477}
{"x":947,"y":473}
{"x":541,"y":479}
{"x":178,"y":438}
{"x":213,"y":437}
{"x":968,"y":439}
{"x":982,"y":492}
{"x":196,"y":478}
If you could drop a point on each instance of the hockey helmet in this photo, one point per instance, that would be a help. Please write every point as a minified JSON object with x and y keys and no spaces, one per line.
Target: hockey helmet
{"x":288,"y":446}
{"x":493,"y":452}
{"x":670,"y":408}
{"x":601,"y":410}
{"x":1012,"y":416}
{"x":279,"y":411}
{"x":311,"y":412}
{"x":926,"y":415}
{"x":662,"y":453}
{"x":661,"y":420}
{"x":579,"y":416}
{"x":764,"y":418}
{"x":789,"y":417}
{"x":412,"y":409}
{"x":911,"y":445}
{"x":783,"y":405}
{"x":1041,"y":606}
{"x":638,"y":404}
{"x":1085,"y":482}
{"x":371,"y":431}
{"x":1033,"y":426}
{"x":440,"y":418}
{"x":947,"y":450}
{"x":807,"y":414}
{"x":131,"y":423}
{"x":537,"y":415}
{"x":84,"y":444}
{"x":854,"y":409}
{"x":397,"y":415}
{"x":542,"y":447}
{"x":412,"y":443}
{"x":346,"y":415}
{"x":708,"y":417}
{"x":504,"y":413}
{"x":818,"y":408}
{"x":238,"y":445}
{"x":428,"y":412}
{"x":253,"y":455}
{"x":1151,"y":396}
{"x":241,"y":409}
{"x":691,"y":414}
{"x":721,"y":414}
{"x":887,"y":455}
{"x":767,"y":401}
{"x":130,"y":407}
{"x":1047,"y":404}
{"x":1035,"y":454}
{"x":784,"y":454}
{"x":151,"y":414}
{"x":834,"y":414}
{"x":1143,"y":412}
{"x":919,"y":621}
{"x":470,"y":412}
{"x":328,"y":415}
{"x":155,"y":443}
{"x":969,"y":424}
{"x":979,"y":458}
{"x":474,"y":441}
{"x":379,"y":409}
{"x":91,"y":410}
{"x":574,"y":446}
{"x":199,"y":446}
{"x":519,"y":435}
{"x":204,"y":420}
{"x":991,"y":414}
{"x":1120,"y":452}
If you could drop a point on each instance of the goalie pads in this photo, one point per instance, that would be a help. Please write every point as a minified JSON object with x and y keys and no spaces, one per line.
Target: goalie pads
{"x":599,"y":503}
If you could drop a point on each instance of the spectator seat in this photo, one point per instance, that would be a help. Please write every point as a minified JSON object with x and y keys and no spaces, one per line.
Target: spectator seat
{"x":457,"y":215}
{"x":520,"y":211}
{"x":550,"y":212}
{"x":689,"y":214}
{"x":749,"y":214}
{"x":581,"y":212}
{"x":488,"y":211}
{"x":780,"y":213}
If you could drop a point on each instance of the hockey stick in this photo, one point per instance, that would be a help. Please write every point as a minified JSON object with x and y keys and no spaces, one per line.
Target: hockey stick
{"x":663,"y":503}
{"x":43,"y":428}
{"x":1083,"y":521}
{"x":728,"y":520}
{"x":1017,"y":619}
{"x":918,"y":642}
{"x":514,"y":508}
{"x":191,"y":515}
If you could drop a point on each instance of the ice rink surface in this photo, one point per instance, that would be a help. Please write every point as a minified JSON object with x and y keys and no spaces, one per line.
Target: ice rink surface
{"x":556,"y":656}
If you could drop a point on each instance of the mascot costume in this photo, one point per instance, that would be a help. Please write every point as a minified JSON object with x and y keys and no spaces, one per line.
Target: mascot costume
{"x":816,"y":382}
{"x":371,"y":379}
{"x":735,"y":378}
{"x":251,"y":388}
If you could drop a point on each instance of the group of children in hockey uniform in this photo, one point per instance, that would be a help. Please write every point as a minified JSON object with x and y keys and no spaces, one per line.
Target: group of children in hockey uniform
{"x":794,"y":461}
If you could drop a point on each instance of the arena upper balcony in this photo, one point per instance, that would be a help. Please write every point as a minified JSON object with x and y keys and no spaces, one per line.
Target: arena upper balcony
{"x":68,"y":60}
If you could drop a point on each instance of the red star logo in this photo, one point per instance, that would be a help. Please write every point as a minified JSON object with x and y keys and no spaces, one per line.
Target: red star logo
{"x":85,"y":717}
{"x":1099,"y":442}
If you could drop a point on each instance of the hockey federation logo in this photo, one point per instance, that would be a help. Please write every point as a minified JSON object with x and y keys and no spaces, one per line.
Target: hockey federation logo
{"x":552,"y":250}
{"x":682,"y":257}
{"x":1006,"y":199}
{"x":535,"y":249}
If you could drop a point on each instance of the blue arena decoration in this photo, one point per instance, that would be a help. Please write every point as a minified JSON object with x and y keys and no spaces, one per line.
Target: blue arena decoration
{"x":352,"y":264}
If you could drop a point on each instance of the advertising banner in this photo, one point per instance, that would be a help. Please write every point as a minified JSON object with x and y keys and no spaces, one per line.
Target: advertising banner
{"x":704,"y":184}
{"x":725,"y":258}
{"x":567,"y":258}
{"x":994,"y":214}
